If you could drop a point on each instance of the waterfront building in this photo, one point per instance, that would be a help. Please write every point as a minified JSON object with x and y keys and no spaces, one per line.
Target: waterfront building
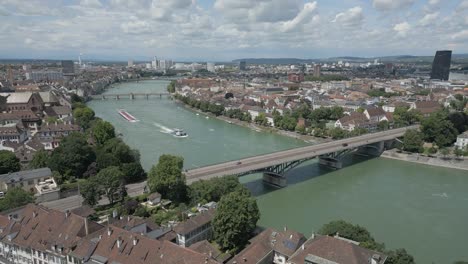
{"x":441,"y":65}
{"x":462,"y":140}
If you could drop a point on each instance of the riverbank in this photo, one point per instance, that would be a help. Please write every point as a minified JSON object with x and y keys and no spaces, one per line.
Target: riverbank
{"x":460,"y":164}
{"x":257,"y":128}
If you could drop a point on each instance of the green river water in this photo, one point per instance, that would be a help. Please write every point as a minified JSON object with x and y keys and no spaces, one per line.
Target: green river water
{"x":421,"y":208}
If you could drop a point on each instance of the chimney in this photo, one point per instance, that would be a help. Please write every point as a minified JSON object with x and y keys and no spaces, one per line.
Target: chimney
{"x":119,"y":242}
{"x":67,"y":213}
{"x":135,"y":241}
{"x":109,"y":231}
{"x":9,"y":217}
{"x":114,"y":214}
{"x":285,"y":228}
{"x":302,"y":246}
{"x":244,"y":259}
{"x":86,"y":226}
{"x":34,"y":214}
{"x":290,"y":236}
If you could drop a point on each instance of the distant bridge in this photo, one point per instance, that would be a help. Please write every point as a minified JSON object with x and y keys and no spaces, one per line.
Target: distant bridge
{"x":275,"y":165}
{"x":131,"y":96}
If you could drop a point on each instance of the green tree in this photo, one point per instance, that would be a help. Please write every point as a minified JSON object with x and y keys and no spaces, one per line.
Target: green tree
{"x":204,"y":191}
{"x":459,"y":121}
{"x":338,"y":133}
{"x":115,"y":152}
{"x":413,"y":141}
{"x":15,"y":197}
{"x":399,"y":256}
{"x":167,"y":178}
{"x":103,"y":131}
{"x":83,"y":116}
{"x":437,"y":128}
{"x":171,"y":87}
{"x":445,"y":152}
{"x":3,"y":103}
{"x":353,"y":232}
{"x":89,"y":189}
{"x":458,"y":152}
{"x":73,"y":156}
{"x":8,"y":162}
{"x":39,"y":160}
{"x":111,"y":182}
{"x":459,"y":102}
{"x":133,"y":172}
{"x":235,"y":219}
{"x":261,"y":119}
{"x":404,"y":117}
{"x":383,"y":125}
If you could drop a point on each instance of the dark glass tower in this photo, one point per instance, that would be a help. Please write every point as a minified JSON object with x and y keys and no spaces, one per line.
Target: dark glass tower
{"x":441,"y":65}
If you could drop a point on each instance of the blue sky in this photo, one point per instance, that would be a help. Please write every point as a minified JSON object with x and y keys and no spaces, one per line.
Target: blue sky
{"x":219,"y":30}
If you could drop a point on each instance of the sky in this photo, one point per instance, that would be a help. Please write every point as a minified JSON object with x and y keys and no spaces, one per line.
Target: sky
{"x":223,"y":30}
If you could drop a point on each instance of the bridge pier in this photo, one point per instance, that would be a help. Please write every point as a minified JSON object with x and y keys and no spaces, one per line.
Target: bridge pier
{"x":132,"y":96}
{"x":334,"y":163}
{"x":117,"y":97}
{"x":275,"y":179}
{"x":147,"y":96}
{"x":103,"y":98}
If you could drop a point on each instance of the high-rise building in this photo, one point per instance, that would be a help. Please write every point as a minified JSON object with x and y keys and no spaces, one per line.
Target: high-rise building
{"x":130,"y":63}
{"x":68,"y":67}
{"x":441,"y":65}
{"x":242,"y":65}
{"x":317,"y":70}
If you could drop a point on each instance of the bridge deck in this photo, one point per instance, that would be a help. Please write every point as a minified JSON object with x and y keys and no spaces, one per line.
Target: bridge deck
{"x":272,"y":159}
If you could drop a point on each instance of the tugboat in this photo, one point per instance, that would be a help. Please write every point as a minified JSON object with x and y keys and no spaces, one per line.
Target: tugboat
{"x":179,"y":133}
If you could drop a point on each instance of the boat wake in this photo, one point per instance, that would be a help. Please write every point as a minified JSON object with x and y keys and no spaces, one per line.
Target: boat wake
{"x":163,"y":129}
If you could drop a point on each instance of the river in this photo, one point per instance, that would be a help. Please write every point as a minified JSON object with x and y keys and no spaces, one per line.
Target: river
{"x":421,"y":208}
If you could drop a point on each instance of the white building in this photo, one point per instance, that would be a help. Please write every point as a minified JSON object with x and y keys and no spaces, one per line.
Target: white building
{"x":210,"y":66}
{"x":462,"y":140}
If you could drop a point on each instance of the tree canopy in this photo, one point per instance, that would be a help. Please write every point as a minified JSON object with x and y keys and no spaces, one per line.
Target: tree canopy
{"x":83,"y":116}
{"x":235,"y":219}
{"x":103,"y":131}
{"x":39,"y":160}
{"x":111,"y":182}
{"x":167,"y":178}
{"x":8,"y":162}
{"x":413,"y":141}
{"x":73,"y":156}
{"x":204,"y":191}
{"x":437,"y":128}
{"x":15,"y":197}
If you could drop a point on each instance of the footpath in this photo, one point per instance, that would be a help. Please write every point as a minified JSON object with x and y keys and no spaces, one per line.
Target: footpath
{"x":460,"y":163}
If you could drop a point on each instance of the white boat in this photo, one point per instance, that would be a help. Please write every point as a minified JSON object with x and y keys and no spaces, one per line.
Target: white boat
{"x":207,"y":117}
{"x":179,"y":133}
{"x":198,"y":114}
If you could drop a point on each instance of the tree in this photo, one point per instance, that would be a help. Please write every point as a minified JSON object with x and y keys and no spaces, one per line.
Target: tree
{"x":103,"y":131}
{"x":383,"y":125}
{"x":445,"y":152}
{"x":413,"y":141}
{"x":8,"y":162}
{"x":235,"y":219}
{"x":458,"y":152}
{"x":15,"y":197}
{"x":39,"y":160}
{"x":171,"y":87}
{"x":437,"y":128}
{"x":459,"y":121}
{"x":261,"y":119}
{"x":166,"y":178}
{"x":115,"y":152}
{"x":399,"y":256}
{"x":73,"y":156}
{"x":3,"y":103}
{"x":133,"y":172}
{"x":204,"y":191}
{"x":111,"y":182}
{"x":89,"y":189}
{"x":459,"y":103}
{"x":83,"y":116}
{"x":353,"y":232}
{"x":404,"y":117}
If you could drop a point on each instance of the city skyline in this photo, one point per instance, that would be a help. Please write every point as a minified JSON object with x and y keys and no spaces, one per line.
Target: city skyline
{"x":223,"y":30}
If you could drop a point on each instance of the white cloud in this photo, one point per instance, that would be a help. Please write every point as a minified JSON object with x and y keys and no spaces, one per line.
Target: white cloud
{"x":353,"y":17}
{"x":302,"y":17}
{"x":463,"y":5}
{"x":386,"y":5}
{"x":428,"y":19}
{"x":460,"y":36}
{"x":434,"y":2}
{"x":91,"y":3}
{"x":402,"y":29}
